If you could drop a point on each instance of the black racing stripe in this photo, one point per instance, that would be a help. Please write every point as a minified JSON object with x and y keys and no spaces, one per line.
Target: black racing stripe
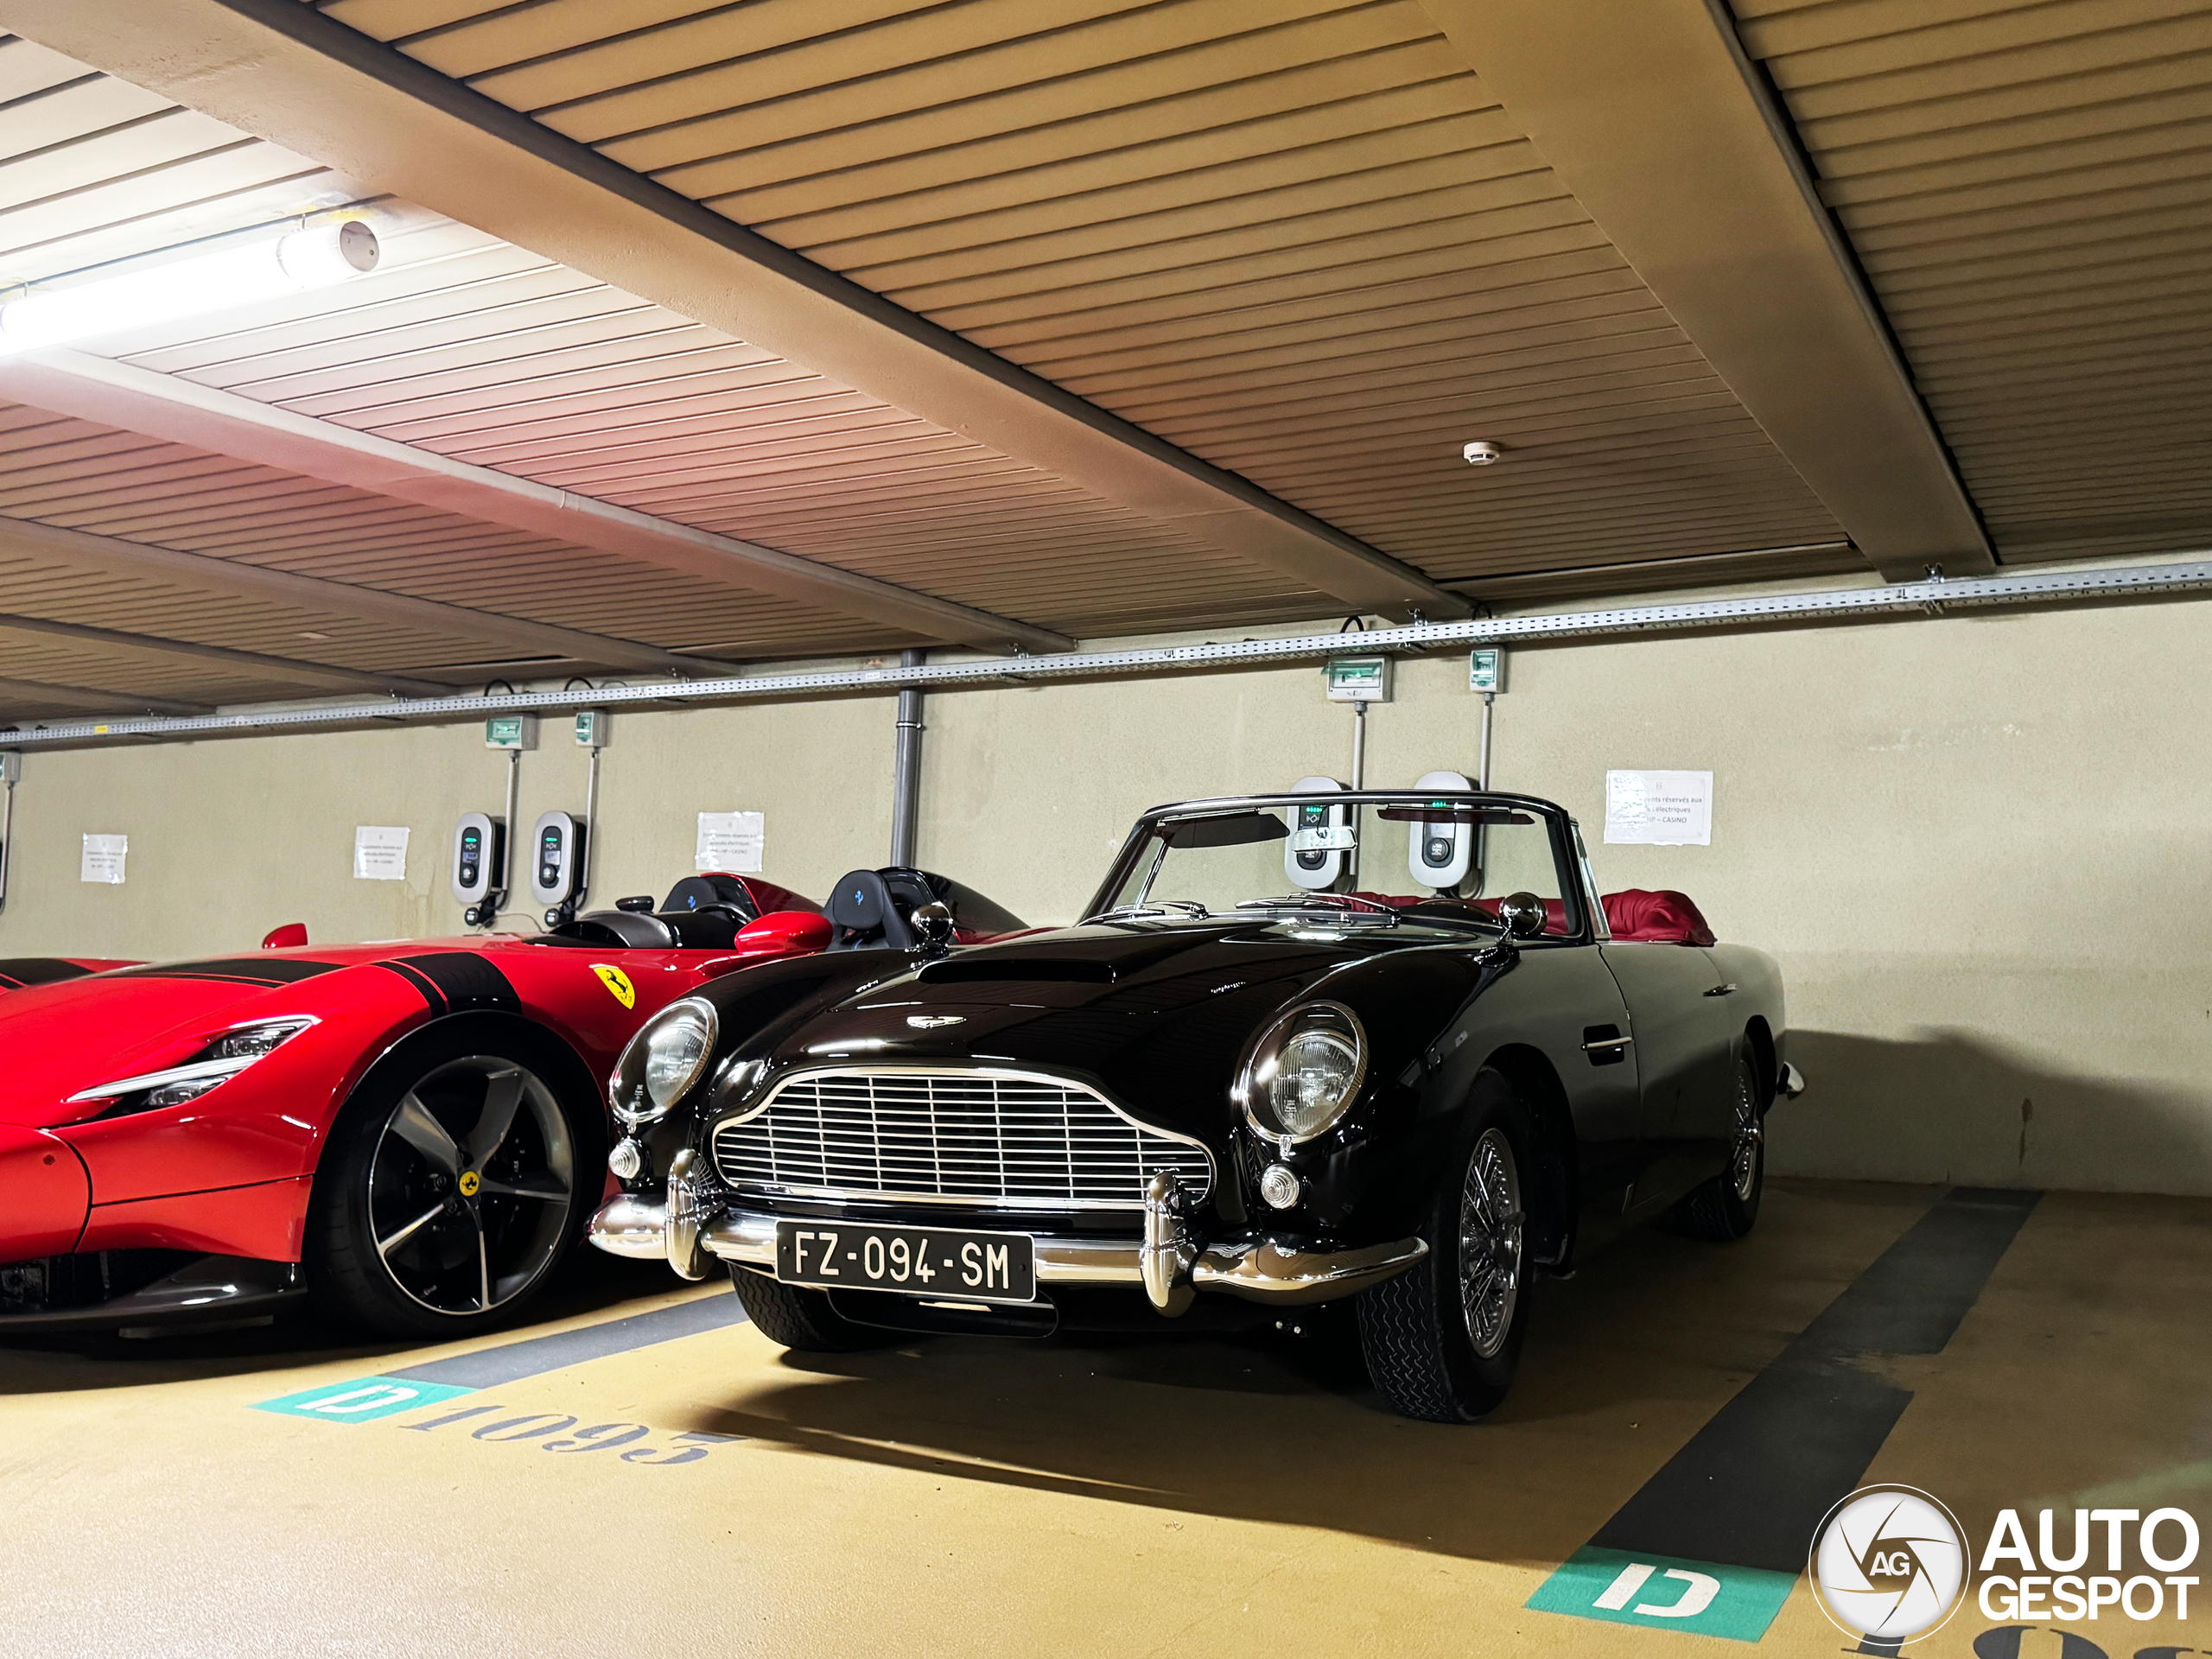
{"x":16,"y":972}
{"x":422,"y":982}
{"x":266,"y":971}
{"x":535,"y":1356}
{"x":465,"y":979}
{"x":1754,"y":1483}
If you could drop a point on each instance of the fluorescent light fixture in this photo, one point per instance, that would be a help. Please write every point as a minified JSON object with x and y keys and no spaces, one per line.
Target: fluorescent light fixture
{"x":266,"y":270}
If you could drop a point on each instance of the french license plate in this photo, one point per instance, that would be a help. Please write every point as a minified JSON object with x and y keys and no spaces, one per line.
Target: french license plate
{"x":940,"y":1262}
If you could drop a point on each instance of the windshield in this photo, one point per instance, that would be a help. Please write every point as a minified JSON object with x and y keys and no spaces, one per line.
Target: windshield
{"x":1374,"y":864}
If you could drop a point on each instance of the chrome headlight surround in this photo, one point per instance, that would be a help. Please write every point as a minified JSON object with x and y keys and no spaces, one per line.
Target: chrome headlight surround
{"x":223,"y":1056}
{"x":664,"y":1062}
{"x":1305,"y":1072}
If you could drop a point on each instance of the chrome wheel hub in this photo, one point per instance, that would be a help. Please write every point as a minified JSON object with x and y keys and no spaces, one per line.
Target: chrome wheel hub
{"x":1491,"y":1225}
{"x":1750,"y":1135}
{"x":471,"y":1185}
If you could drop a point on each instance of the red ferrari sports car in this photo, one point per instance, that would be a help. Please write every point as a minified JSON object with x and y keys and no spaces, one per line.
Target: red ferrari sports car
{"x":415,"y":1133}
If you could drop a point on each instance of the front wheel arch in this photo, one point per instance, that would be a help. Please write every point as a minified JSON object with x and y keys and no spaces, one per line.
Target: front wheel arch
{"x":1543,"y":1097}
{"x":481,"y":1025}
{"x":1766,"y":1063}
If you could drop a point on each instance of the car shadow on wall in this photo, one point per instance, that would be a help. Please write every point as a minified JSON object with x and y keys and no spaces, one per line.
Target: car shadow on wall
{"x":1955,"y":1106}
{"x":591,"y":1282}
{"x":1624,"y":1363}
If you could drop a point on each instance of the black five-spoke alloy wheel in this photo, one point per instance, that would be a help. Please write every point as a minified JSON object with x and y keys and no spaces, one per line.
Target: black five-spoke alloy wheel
{"x":454,"y":1182}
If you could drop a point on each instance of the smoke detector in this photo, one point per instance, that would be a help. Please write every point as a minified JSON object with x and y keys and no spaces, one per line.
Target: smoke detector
{"x":1482,"y":453}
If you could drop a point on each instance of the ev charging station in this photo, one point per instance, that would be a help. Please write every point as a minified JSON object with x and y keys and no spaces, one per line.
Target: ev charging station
{"x":559,"y":870}
{"x":480,"y":868}
{"x":480,"y":856}
{"x":1320,"y":843}
{"x":556,"y":865}
{"x":1443,"y":855}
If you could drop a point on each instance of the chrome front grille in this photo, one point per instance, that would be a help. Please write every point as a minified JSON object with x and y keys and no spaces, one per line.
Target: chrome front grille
{"x":971,"y":1136}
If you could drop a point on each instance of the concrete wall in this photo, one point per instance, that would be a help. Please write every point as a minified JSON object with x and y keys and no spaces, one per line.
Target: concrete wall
{"x":1977,"y":845}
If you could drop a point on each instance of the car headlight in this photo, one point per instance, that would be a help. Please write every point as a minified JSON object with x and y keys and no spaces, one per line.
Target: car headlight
{"x":221,"y":1059}
{"x":1305,"y":1072}
{"x":663,"y":1061}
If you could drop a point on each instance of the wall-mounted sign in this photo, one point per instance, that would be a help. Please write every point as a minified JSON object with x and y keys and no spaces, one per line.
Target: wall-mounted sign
{"x":731,"y":840}
{"x":1486,"y":670}
{"x":103,"y":859}
{"x":1659,"y":808}
{"x":379,"y":852}
{"x":1358,"y":679}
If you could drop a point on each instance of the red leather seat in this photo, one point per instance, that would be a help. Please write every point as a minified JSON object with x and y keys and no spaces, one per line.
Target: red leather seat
{"x":1641,"y":915}
{"x":1638,"y":916}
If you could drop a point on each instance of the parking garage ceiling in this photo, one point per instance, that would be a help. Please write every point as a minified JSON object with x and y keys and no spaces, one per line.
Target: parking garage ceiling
{"x":707,"y":333}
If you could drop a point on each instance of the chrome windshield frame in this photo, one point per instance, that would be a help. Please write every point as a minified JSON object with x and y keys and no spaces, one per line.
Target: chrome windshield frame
{"x":1582,"y":902}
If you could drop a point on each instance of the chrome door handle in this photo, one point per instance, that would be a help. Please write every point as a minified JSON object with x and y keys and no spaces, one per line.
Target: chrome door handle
{"x":1722,"y":990}
{"x":1605,"y":1043}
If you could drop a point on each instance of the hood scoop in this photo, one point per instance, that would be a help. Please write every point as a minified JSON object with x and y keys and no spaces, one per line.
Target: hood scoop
{"x":1000,"y":970}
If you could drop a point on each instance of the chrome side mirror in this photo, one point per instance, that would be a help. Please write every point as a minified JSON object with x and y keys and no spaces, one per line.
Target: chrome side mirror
{"x":1522,"y":915}
{"x":933,"y":926}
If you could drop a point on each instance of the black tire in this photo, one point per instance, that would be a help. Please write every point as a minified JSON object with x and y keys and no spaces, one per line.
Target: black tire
{"x":1418,"y":1330}
{"x":801,"y":1320}
{"x":1725,"y":1208}
{"x":516,"y":1205}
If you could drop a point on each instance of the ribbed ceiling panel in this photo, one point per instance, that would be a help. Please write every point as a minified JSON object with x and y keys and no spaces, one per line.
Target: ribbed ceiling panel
{"x":475,"y":349}
{"x":2030,"y":189}
{"x":1300,"y":240}
{"x":472,"y":348}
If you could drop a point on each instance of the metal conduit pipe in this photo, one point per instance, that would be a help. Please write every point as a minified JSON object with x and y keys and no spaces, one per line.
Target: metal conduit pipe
{"x":8,"y":767}
{"x":906,"y":766}
{"x":1934,"y":597}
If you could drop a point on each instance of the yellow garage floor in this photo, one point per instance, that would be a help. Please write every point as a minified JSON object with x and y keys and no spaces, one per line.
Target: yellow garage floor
{"x":1110,"y":1496}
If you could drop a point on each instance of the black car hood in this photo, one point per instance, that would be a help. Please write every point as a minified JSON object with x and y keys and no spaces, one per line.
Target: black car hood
{"x":1158,"y":1013}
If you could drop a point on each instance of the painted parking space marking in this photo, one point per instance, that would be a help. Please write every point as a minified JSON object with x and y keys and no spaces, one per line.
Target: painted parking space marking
{"x":1665,"y":1593}
{"x":1749,"y":1488}
{"x":510,"y":1362}
{"x":434,"y":1383}
{"x":360,"y":1400}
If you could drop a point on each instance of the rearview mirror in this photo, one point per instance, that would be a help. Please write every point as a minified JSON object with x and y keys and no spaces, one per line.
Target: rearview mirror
{"x":933,"y":924}
{"x":1522,"y":915}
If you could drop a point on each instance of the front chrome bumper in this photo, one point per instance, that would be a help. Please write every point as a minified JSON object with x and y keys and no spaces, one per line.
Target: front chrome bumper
{"x":1170,"y":1267}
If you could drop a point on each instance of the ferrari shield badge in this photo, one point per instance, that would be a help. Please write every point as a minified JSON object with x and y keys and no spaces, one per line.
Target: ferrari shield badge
{"x":617,"y":983}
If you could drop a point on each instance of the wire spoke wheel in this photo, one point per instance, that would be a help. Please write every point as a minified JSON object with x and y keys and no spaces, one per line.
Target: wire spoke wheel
{"x":471,"y":1185}
{"x":1751,"y":1136}
{"x":1490,"y":1235}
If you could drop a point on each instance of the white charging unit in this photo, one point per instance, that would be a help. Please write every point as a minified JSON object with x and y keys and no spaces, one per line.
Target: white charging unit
{"x":479,"y":842}
{"x":556,"y":846}
{"x":1320,"y":837}
{"x":1440,"y":856}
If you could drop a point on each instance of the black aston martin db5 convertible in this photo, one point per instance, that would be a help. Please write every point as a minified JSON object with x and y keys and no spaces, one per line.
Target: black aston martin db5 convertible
{"x":1291,"y":1055}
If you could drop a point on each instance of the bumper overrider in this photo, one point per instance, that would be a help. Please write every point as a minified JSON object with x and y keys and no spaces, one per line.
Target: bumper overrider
{"x":1171,"y":1265}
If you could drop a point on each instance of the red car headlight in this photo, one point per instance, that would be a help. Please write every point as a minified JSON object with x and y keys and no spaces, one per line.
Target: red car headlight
{"x":221,"y":1059}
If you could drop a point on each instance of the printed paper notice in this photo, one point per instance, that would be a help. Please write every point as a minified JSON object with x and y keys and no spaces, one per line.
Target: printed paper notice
{"x":379,"y":852}
{"x":1659,"y":808}
{"x":732,"y":841}
{"x":104,"y":856}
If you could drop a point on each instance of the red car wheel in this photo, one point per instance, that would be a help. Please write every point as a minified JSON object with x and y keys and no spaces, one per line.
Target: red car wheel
{"x":459,"y":1174}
